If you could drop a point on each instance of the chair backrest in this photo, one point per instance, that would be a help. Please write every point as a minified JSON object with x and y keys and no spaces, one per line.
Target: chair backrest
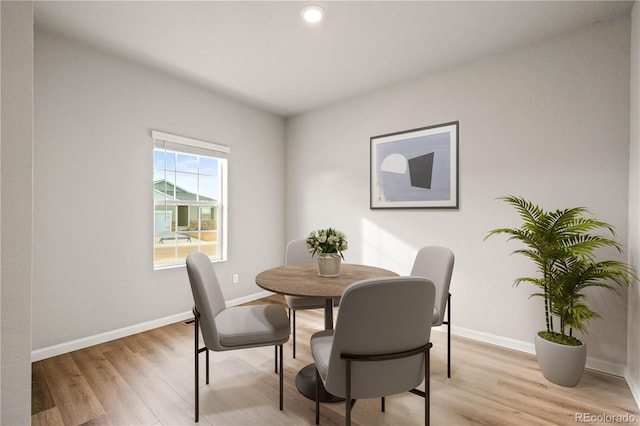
{"x":436,"y":264}
{"x":297,"y":253}
{"x":207,"y":296}
{"x":381,"y":316}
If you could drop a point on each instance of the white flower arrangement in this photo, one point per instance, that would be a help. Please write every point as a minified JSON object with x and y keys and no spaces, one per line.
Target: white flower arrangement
{"x":327,"y":240}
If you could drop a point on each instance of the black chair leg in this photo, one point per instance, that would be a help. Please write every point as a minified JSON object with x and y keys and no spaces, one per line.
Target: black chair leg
{"x":382,"y":404}
{"x":427,"y":388}
{"x":449,"y":336}
{"x":317,"y":397}
{"x":294,"y":333}
{"x":347,"y":392}
{"x":197,"y":353}
{"x":206,"y":357}
{"x":281,"y":378}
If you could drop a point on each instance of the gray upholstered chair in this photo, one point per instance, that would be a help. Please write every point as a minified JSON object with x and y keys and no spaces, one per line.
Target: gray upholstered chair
{"x":380,"y":345}
{"x":436,"y":264}
{"x":225,"y":329}
{"x":297,"y":254}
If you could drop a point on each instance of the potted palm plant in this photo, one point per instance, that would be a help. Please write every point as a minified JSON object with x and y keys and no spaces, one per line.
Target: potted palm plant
{"x":563,"y":244}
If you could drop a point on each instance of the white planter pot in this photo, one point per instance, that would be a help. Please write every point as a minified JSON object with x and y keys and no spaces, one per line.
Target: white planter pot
{"x":328,"y":264}
{"x":561,"y":364}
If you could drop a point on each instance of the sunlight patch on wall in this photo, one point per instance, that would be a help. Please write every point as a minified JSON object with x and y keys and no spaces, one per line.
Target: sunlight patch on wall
{"x":383,"y":249}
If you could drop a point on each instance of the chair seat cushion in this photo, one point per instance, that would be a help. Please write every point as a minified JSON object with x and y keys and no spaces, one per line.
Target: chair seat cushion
{"x":321,"y":343}
{"x":298,"y":302}
{"x":253,"y":325}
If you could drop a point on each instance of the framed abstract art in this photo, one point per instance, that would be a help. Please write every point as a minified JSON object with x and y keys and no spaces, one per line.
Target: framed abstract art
{"x":416,"y":168}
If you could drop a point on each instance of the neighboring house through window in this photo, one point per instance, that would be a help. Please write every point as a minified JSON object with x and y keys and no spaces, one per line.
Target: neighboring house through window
{"x":189,"y":198}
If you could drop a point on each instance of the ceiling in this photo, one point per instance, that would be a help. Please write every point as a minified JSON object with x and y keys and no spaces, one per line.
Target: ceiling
{"x":262,"y":53}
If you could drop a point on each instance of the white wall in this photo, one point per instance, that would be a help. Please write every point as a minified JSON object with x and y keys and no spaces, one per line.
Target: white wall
{"x":16,"y":143}
{"x":633,"y":306}
{"x":549,"y":122}
{"x":93,"y":229}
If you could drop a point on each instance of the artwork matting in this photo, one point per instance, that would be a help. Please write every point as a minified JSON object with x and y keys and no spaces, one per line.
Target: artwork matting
{"x":415,"y":168}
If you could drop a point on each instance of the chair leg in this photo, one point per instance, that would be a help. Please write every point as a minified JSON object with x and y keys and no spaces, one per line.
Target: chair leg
{"x":347,"y":393}
{"x":449,"y":336}
{"x":317,"y":397}
{"x":281,"y":379}
{"x":382,"y":404}
{"x":427,"y":387}
{"x":294,"y":333}
{"x":206,"y":357}
{"x":197,"y":353}
{"x":275,"y":349}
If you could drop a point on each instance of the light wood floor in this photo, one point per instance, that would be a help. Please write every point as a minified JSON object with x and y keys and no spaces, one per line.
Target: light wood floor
{"x":147,"y":379}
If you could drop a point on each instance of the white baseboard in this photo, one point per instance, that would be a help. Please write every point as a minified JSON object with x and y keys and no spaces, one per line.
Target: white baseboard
{"x":633,"y":386}
{"x":85,"y":342}
{"x":249,"y":298}
{"x":605,"y":366}
{"x":504,"y":342}
{"x":529,"y":347}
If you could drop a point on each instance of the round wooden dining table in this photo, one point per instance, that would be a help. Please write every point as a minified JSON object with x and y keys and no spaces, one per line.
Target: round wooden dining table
{"x":303,"y":280}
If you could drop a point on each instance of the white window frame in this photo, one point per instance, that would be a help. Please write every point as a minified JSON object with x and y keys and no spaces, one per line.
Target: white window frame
{"x":182,"y":144}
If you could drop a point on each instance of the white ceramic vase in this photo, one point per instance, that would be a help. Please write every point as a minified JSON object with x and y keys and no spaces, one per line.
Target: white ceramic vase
{"x":328,"y":264}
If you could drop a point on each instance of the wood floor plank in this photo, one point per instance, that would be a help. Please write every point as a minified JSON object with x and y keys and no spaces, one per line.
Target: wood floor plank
{"x":70,"y":390}
{"x":225,"y":399}
{"x":41,"y":398}
{"x":166,"y":405}
{"x":50,"y":417}
{"x":119,"y":400}
{"x":171,"y":356}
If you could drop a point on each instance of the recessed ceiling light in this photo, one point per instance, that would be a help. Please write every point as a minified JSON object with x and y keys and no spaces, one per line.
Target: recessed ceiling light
{"x":312,"y":13}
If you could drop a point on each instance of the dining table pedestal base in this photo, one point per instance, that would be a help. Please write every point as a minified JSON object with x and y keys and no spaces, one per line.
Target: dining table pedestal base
{"x":306,"y":384}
